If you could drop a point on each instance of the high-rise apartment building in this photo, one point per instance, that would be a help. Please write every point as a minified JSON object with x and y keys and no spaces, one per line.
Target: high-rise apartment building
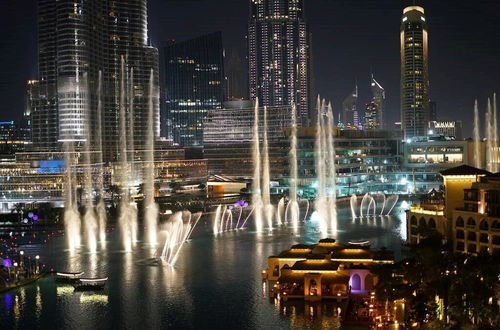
{"x":79,"y":41}
{"x":350,"y":110}
{"x":279,"y":54}
{"x":194,"y":84}
{"x":414,"y":72}
{"x":374,"y":111}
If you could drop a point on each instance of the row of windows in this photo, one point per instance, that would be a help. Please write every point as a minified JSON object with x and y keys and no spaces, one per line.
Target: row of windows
{"x":483,"y":225}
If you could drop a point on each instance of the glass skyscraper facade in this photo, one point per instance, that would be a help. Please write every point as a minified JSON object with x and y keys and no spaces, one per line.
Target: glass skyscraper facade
{"x":374,"y":111}
{"x":194,"y":84}
{"x":350,"y":110}
{"x":414,"y":72}
{"x":78,"y":41}
{"x":278,"y":54}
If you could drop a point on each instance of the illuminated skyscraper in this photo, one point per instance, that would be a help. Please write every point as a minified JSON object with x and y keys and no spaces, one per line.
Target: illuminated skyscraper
{"x":350,"y":110}
{"x":414,"y":72}
{"x":374,"y":112}
{"x":278,"y":54}
{"x":194,"y":84}
{"x":76,"y":40}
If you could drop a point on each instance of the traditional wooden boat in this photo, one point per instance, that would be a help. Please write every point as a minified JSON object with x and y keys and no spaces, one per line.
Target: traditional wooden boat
{"x":65,"y":277}
{"x":90,"y":284}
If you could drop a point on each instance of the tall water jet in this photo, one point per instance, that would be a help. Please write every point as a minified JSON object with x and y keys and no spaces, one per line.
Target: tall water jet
{"x":331,"y":173}
{"x":127,"y":218}
{"x":266,"y":176}
{"x":89,"y":218}
{"x":319,"y":157}
{"x":72,"y":223}
{"x":150,"y":207}
{"x":100,"y":209}
{"x":293,"y":203}
{"x":256,"y":188}
{"x":477,"y":138}
{"x":489,"y":138}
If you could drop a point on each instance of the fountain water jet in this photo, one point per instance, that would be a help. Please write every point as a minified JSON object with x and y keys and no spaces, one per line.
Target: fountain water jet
{"x":332,"y":174}
{"x":127,"y":218}
{"x":489,"y":138}
{"x":178,"y":230}
{"x":100,"y":209}
{"x":72,"y":223}
{"x":256,"y":188}
{"x":150,"y":207}
{"x":293,"y":204}
{"x":266,"y":177}
{"x":89,"y":218}
{"x":319,"y":157}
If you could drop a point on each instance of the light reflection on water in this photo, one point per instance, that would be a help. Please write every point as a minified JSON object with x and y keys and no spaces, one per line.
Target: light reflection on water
{"x":216,"y":282}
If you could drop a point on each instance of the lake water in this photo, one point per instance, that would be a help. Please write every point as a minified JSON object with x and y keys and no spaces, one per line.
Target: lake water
{"x":216,"y":283}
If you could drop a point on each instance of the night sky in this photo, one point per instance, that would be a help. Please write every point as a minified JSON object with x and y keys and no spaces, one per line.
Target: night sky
{"x":348,"y":38}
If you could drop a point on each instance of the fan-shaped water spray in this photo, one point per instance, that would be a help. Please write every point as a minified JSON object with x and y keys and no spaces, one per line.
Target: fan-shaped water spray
{"x":177,"y":231}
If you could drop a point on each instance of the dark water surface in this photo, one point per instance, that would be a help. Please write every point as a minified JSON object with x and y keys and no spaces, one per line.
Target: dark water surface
{"x":216,"y":283}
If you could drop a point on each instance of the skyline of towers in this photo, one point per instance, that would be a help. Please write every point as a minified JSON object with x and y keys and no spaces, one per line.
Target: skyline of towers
{"x":91,"y":37}
{"x":194,"y":84}
{"x":279,"y":54}
{"x":414,"y":53}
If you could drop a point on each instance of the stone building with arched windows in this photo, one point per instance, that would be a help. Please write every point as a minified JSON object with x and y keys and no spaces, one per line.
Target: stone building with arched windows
{"x":468,"y":215}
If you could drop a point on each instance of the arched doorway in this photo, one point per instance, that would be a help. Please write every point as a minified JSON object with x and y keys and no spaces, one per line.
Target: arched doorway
{"x":355,"y":282}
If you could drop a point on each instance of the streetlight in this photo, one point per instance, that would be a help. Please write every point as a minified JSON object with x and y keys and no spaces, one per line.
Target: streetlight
{"x":37,"y":257}
{"x":21,"y":258}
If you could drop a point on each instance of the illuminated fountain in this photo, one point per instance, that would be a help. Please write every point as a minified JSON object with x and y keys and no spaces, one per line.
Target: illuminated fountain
{"x":372,"y":205}
{"x":256,"y":159}
{"x":266,"y":178}
{"x":100,"y":209}
{"x":127,"y":218}
{"x":230,"y":217}
{"x":89,"y":218}
{"x":150,"y":207}
{"x":177,"y":230}
{"x":292,"y":211}
{"x":72,"y":223}
{"x":325,"y":204}
{"x":489,"y":138}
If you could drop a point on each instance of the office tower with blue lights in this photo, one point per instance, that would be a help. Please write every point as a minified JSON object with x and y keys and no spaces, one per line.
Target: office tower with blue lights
{"x":194,"y":84}
{"x":76,"y":40}
{"x":414,"y":72}
{"x":279,"y":54}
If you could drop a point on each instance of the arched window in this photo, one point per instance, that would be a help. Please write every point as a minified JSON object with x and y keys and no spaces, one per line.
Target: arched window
{"x":413,"y":221}
{"x":459,"y":222}
{"x":483,"y":225}
{"x":432,"y":223}
{"x":496,"y":240}
{"x":421,"y":222}
{"x":471,"y":236}
{"x":471,"y":222}
{"x":355,"y":282}
{"x":460,"y":234}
